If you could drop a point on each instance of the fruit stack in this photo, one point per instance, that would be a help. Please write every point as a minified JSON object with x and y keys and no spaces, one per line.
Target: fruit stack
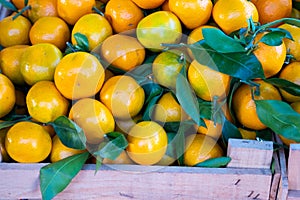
{"x":161,"y":82}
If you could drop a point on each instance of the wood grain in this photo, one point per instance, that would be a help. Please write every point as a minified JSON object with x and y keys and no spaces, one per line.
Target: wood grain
{"x":293,"y":167}
{"x":141,"y":182}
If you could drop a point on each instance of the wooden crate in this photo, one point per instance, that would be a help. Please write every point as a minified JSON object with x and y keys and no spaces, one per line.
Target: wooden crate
{"x":247,"y":177}
{"x":289,"y":187}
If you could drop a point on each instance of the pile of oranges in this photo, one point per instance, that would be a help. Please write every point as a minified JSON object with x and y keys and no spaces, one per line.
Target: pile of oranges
{"x":102,"y":63}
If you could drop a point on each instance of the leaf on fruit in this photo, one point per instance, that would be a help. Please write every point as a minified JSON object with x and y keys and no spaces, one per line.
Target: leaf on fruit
{"x":219,"y":41}
{"x":279,"y":117}
{"x":113,"y":147}
{"x":70,"y":134}
{"x":214,"y":162}
{"x":55,"y":177}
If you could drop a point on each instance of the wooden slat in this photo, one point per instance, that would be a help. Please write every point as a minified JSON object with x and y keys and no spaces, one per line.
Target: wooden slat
{"x":293,"y":167}
{"x":250,"y":153}
{"x":283,"y":184}
{"x":141,"y":182}
{"x":276,"y":177}
{"x":294,"y":195}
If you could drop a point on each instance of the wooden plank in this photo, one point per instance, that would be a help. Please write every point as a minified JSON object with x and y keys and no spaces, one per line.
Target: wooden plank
{"x":283,"y":184}
{"x":294,"y":195}
{"x":293,"y":167}
{"x":141,"y":182}
{"x":276,"y":177}
{"x":250,"y":153}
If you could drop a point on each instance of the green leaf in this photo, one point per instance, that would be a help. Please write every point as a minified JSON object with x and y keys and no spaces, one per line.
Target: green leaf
{"x":186,"y":97}
{"x":274,"y":38}
{"x":286,"y":85}
{"x":230,"y":131}
{"x":265,"y":134}
{"x":82,"y":41}
{"x":214,"y":162}
{"x":8,"y":5}
{"x":26,"y":2}
{"x":142,"y":73}
{"x":55,"y":177}
{"x":69,"y":133}
{"x":239,"y":65}
{"x":6,"y":124}
{"x":153,"y":93}
{"x":171,"y":149}
{"x":171,"y":126}
{"x":114,"y":147}
{"x":218,"y":40}
{"x":279,"y":117}
{"x":205,"y":109}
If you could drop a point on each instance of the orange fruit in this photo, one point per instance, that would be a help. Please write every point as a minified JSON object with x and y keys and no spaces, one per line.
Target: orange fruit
{"x":166,"y":67}
{"x":38,"y":62}
{"x":123,"y":96}
{"x":28,"y":142}
{"x":79,"y":75}
{"x":52,"y":30}
{"x":195,"y":36}
{"x":7,"y":95}
{"x":10,"y":63}
{"x":199,"y":148}
{"x":192,"y":13}
{"x":292,"y":46}
{"x":271,"y":10}
{"x":123,"y":15}
{"x":231,"y":15}
{"x":95,"y":27}
{"x":165,"y":6}
{"x":167,"y":109}
{"x":244,"y":106}
{"x":46,"y":107}
{"x":18,"y":3}
{"x":124,"y":125}
{"x":159,"y":27}
{"x":208,"y":83}
{"x":123,"y":158}
{"x":14,"y":32}
{"x":247,"y":134}
{"x":4,"y":157}
{"x":147,"y":143}
{"x":72,"y":10}
{"x":60,"y":151}
{"x":93,"y":117}
{"x":122,"y":51}
{"x":42,"y":8}
{"x":148,"y":4}
{"x":291,"y":73}
{"x":296,"y":106}
{"x":212,"y":129}
{"x":271,"y":58}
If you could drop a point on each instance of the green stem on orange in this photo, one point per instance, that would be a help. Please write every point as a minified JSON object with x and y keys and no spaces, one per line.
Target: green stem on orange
{"x":21,"y":12}
{"x":98,"y":11}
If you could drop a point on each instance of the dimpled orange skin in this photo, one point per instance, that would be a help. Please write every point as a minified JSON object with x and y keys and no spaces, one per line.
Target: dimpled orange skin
{"x":14,"y":32}
{"x":244,"y":105}
{"x":123,"y":15}
{"x":93,"y":117}
{"x":271,"y":10}
{"x":122,"y":51}
{"x":147,"y":143}
{"x":95,"y":27}
{"x":148,"y":4}
{"x":270,"y":57}
{"x":42,"y":8}
{"x":79,"y":75}
{"x":123,"y":96}
{"x":291,"y":73}
{"x":10,"y":63}
{"x":46,"y":107}
{"x":38,"y":62}
{"x":199,"y":148}
{"x":72,"y":10}
{"x":50,"y":30}
{"x":293,"y":46}
{"x":7,"y":95}
{"x":28,"y":142}
{"x":192,"y":13}
{"x":232,"y":15}
{"x":159,"y":27}
{"x":60,"y":151}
